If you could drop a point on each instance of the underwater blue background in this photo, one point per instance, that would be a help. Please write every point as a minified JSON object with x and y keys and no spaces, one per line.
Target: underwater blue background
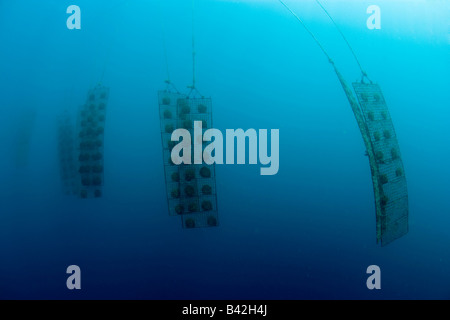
{"x":306,"y":233}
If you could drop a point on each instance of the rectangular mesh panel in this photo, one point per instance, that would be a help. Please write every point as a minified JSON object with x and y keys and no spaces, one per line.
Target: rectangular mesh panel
{"x":168,"y":122}
{"x":392,"y":220}
{"x":91,"y":128}
{"x":66,"y":151}
{"x":191,"y":188}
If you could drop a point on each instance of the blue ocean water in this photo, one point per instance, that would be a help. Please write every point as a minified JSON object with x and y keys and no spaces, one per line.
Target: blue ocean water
{"x":307,"y":232}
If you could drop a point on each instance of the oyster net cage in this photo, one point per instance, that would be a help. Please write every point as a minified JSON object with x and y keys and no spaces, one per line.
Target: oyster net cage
{"x":190,"y":188}
{"x":90,"y":139}
{"x":66,"y":154}
{"x":391,"y":194}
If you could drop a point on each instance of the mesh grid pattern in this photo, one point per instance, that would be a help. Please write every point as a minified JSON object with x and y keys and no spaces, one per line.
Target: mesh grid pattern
{"x":91,"y":125}
{"x":190,"y":188}
{"x":392,"y":220}
{"x":66,"y":151}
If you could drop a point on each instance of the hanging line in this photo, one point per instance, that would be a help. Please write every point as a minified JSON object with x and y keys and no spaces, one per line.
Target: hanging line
{"x":166,"y":59}
{"x":359,"y":119}
{"x":167,"y":81}
{"x":193,"y":87}
{"x":309,"y":31}
{"x":193,"y":46}
{"x":364,"y":74}
{"x":348,"y":92}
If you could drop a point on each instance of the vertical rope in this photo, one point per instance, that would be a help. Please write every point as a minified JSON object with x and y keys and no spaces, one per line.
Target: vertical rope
{"x":193,"y":88}
{"x":378,"y":192}
{"x":193,"y":47}
{"x":169,"y":83}
{"x":364,"y":74}
{"x":163,"y":40}
{"x":306,"y":28}
{"x":165,"y":56}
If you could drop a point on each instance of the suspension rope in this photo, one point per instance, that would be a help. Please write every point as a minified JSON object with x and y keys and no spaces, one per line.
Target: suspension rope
{"x":193,"y":87}
{"x":309,"y":31}
{"x":364,"y":74}
{"x":193,"y":47}
{"x":165,"y":57}
{"x":169,"y":83}
{"x":166,"y":60}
